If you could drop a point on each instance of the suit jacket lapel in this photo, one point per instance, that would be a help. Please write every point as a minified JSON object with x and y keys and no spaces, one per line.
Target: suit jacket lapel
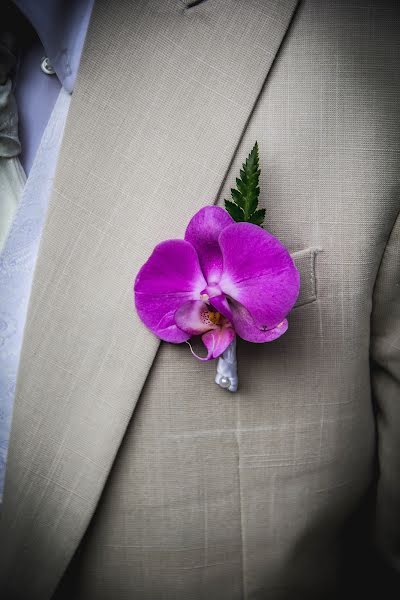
{"x":162,"y":99}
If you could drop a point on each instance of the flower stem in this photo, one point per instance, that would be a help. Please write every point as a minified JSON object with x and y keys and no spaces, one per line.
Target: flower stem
{"x":226,"y":376}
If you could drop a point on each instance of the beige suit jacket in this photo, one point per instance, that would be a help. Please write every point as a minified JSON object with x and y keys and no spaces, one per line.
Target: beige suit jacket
{"x":131,"y":475}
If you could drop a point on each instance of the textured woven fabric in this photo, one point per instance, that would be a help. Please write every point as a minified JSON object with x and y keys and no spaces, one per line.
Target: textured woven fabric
{"x":131,"y":474}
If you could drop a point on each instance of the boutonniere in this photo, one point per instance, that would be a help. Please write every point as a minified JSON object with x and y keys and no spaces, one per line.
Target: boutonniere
{"x":229,"y":277}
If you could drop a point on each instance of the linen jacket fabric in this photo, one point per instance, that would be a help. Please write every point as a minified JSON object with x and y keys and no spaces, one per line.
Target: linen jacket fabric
{"x":130,"y":473}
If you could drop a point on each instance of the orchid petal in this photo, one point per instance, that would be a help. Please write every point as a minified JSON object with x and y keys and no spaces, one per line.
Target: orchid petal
{"x":169,"y":278}
{"x":249,"y":330}
{"x":192,"y":317}
{"x":216,"y":341}
{"x":202,"y":232}
{"x":244,"y":324}
{"x":259,"y":273}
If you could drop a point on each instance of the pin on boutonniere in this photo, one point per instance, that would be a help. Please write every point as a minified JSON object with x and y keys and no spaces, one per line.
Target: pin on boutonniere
{"x":227,"y":278}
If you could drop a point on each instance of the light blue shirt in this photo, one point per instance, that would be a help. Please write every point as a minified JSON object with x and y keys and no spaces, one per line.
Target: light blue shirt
{"x":43,"y":102}
{"x":61,"y":29}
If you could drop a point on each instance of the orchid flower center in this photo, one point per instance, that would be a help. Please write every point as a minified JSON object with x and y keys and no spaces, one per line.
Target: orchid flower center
{"x":215,"y":317}
{"x":211,"y":317}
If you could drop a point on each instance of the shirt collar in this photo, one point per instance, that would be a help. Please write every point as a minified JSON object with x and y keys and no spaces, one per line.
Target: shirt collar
{"x":61,"y":27}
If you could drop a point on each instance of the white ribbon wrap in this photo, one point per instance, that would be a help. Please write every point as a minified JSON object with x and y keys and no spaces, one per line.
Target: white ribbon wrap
{"x":226,"y":376}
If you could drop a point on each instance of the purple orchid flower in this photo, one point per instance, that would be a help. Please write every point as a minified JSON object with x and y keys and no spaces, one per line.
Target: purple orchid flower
{"x":225,"y":278}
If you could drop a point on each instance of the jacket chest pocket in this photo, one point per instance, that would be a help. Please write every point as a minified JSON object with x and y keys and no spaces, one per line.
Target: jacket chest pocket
{"x":305,"y":263}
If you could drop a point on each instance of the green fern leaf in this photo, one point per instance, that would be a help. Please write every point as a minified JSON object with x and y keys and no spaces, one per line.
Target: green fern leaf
{"x":258,"y":217}
{"x":245,"y":196}
{"x":235,"y":211}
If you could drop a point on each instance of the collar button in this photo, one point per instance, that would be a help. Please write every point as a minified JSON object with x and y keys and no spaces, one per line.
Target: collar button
{"x":46,"y":66}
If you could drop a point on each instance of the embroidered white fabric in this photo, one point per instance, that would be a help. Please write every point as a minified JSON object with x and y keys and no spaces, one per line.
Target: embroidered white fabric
{"x":12,"y":175}
{"x":17,"y":263}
